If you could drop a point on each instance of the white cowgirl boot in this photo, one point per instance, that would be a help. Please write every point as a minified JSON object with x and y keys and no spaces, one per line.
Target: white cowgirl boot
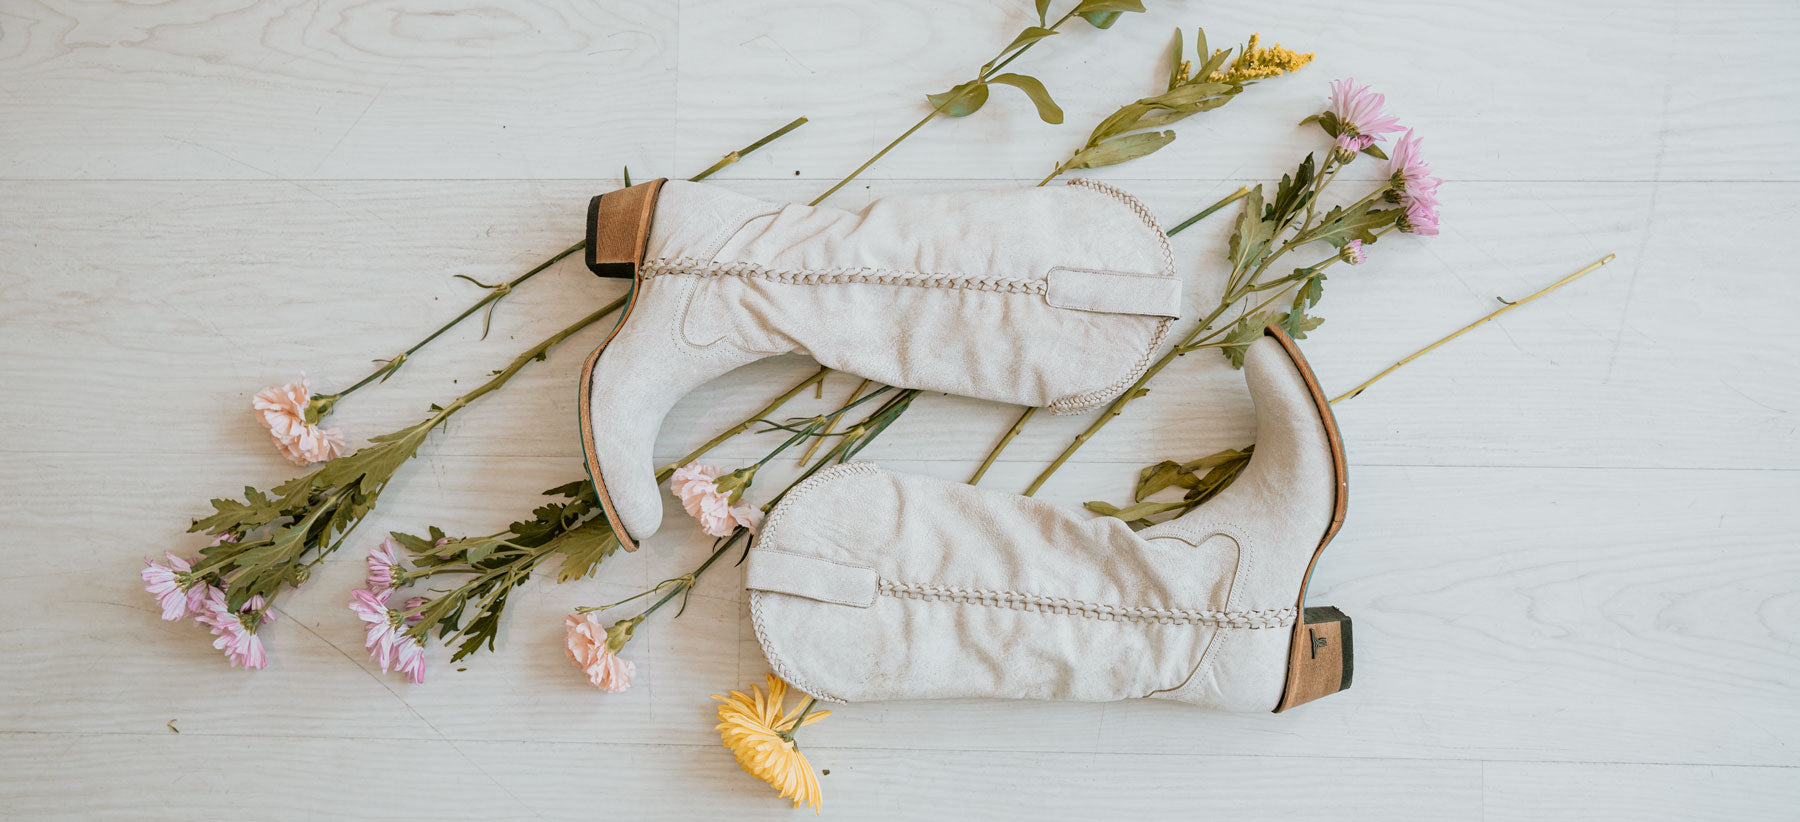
{"x":869,"y":585}
{"x":1041,"y":296}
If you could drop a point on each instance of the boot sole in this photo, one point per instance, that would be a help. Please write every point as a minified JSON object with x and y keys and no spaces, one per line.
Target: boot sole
{"x":1320,"y":659}
{"x":618,"y":231}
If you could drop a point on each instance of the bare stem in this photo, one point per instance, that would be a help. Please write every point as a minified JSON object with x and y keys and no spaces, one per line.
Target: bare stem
{"x":1465,"y":329}
{"x":1206,"y":212}
{"x":669,"y":470}
{"x":831,"y":422}
{"x":735,"y":156}
{"x":496,"y":293}
{"x":932,"y":115}
{"x":1001,"y":445}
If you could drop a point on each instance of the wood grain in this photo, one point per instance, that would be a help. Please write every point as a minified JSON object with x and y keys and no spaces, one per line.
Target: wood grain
{"x":1570,"y":558}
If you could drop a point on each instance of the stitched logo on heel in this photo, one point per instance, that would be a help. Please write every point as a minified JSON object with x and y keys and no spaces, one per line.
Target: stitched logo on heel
{"x":1317,"y":642}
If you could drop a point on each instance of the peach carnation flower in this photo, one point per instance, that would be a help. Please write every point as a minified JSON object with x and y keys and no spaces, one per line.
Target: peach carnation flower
{"x":283,"y":409}
{"x":697,"y":487}
{"x":592,"y":649}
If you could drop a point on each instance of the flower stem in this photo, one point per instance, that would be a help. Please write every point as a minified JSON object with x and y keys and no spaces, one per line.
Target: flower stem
{"x":496,"y":293}
{"x":1206,"y":212}
{"x":932,"y":115}
{"x":530,"y":355}
{"x":1006,"y":440}
{"x":831,"y":422}
{"x":1465,"y":329}
{"x":1019,"y":426}
{"x":669,"y":470}
{"x":735,"y":156}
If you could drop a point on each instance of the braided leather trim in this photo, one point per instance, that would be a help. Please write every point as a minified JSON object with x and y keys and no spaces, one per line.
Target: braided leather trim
{"x":824,"y":276}
{"x":1013,"y":600}
{"x":1089,"y":399}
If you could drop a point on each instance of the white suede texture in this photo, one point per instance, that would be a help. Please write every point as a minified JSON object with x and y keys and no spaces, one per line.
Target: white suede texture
{"x":978,"y":593}
{"x":943,"y":292}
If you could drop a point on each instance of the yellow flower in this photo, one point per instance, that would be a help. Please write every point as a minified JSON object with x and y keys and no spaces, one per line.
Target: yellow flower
{"x":1257,"y":63}
{"x":760,"y":733}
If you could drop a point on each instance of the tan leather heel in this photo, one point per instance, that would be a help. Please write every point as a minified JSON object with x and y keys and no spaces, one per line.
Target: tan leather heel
{"x":1320,"y":659}
{"x":618,"y":231}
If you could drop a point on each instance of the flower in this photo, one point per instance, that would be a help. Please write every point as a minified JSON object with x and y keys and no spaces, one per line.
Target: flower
{"x":371,"y":607}
{"x":698,"y":488}
{"x":236,"y":632}
{"x":384,"y":566}
{"x":409,"y":658}
{"x":1257,"y":63}
{"x":1352,"y":252}
{"x":387,"y":640}
{"x":596,"y":650}
{"x":173,"y":586}
{"x":285,"y":411}
{"x":1416,"y":189}
{"x":760,"y":733}
{"x":1360,"y":121}
{"x":411,"y":608}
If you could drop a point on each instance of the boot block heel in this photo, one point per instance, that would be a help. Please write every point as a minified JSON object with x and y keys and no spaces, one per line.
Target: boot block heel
{"x":1320,"y":659}
{"x":618,"y":229}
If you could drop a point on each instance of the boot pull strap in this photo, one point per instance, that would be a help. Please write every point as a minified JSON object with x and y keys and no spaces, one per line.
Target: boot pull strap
{"x":618,"y":229}
{"x":816,"y":578}
{"x":1114,"y":292}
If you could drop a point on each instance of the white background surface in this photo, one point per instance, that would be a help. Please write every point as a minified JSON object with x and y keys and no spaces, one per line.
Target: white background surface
{"x":1570,"y":554}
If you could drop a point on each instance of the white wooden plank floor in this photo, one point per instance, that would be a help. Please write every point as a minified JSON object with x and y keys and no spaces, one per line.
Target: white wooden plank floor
{"x":1570,"y":556}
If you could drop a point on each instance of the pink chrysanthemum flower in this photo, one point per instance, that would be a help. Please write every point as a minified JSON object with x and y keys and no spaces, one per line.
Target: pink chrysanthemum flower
{"x":696,"y":485}
{"x":1352,"y":252}
{"x":386,"y":638}
{"x":177,"y":588}
{"x":172,"y":585}
{"x":1360,"y":118}
{"x":236,"y":632}
{"x":383,"y":628}
{"x":409,"y":658}
{"x":384,"y":566}
{"x":282,"y":409}
{"x":588,"y":648}
{"x":411,"y":608}
{"x":1417,"y":190}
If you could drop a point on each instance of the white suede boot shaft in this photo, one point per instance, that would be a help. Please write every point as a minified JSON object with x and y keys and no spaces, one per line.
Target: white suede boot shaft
{"x":871,"y":585}
{"x":1052,"y":296}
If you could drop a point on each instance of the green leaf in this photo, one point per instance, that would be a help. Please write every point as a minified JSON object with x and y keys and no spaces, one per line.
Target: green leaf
{"x":1157,"y":477}
{"x":1340,"y":226}
{"x":1120,"y":149}
{"x":1105,"y":509}
{"x":1215,"y":460}
{"x":1101,"y":19}
{"x":1132,"y":513}
{"x":1200,"y":48}
{"x":1087,"y":7}
{"x":584,"y":548}
{"x":1253,"y":236}
{"x":1046,"y":108}
{"x":1296,"y":323}
{"x":1175,"y":56}
{"x":962,"y":100}
{"x":1043,"y":10}
{"x":1293,"y":192}
{"x":1225,"y":467}
{"x":1375,"y":151}
{"x":1026,"y":38}
{"x":1248,"y":329}
{"x":1312,"y":290}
